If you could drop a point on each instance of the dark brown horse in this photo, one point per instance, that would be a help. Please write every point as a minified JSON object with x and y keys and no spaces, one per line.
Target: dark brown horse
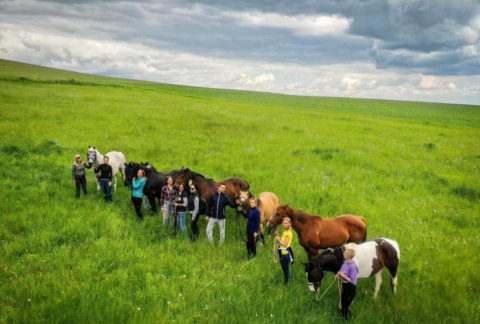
{"x":234,"y":187}
{"x":315,"y":232}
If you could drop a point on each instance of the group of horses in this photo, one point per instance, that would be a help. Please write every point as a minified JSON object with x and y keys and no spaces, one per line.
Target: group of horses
{"x":314,"y":232}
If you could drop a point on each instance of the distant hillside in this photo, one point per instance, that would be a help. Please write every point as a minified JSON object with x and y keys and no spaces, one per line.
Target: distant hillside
{"x":434,"y":113}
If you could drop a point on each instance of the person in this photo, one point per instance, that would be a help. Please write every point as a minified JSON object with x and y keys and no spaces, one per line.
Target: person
{"x":78,"y":175}
{"x":253,"y":224}
{"x":285,"y":251}
{"x":181,"y":203}
{"x":105,"y":178}
{"x":348,"y":275}
{"x":167,"y":201}
{"x":194,"y":208}
{"x":218,"y":201}
{"x":138,"y":183}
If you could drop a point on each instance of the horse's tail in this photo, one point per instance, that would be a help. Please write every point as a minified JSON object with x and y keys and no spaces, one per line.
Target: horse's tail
{"x":365,"y":236}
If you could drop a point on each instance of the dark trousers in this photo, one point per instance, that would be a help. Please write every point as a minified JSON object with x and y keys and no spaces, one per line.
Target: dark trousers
{"x":251,"y":245}
{"x":285,"y":262}
{"x":137,"y":203}
{"x":81,"y":181}
{"x":194,"y":227}
{"x":107,"y":190}
{"x":348,"y":293}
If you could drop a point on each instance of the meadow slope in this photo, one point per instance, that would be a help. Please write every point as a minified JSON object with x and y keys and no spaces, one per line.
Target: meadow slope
{"x":411,"y":169}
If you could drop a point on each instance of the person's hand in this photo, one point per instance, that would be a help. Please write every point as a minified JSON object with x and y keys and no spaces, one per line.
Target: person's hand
{"x":193,"y":218}
{"x":161,"y":209}
{"x":110,"y":184}
{"x":73,"y":181}
{"x":239,"y":208}
{"x":207,"y":218}
{"x":255,"y":235}
{"x":276,"y":232}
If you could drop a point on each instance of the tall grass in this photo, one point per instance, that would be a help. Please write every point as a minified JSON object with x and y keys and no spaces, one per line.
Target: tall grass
{"x":411,"y":169}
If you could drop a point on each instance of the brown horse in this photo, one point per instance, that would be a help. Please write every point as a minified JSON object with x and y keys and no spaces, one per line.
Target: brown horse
{"x":267,"y":202}
{"x":315,"y":232}
{"x":234,"y":187}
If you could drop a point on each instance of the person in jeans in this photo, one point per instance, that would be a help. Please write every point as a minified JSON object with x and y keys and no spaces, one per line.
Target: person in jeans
{"x":105,"y":178}
{"x":138,"y":183}
{"x":218,"y":201}
{"x":167,"y":201}
{"x":78,"y":175}
{"x":253,"y":224}
{"x":181,"y":203}
{"x":284,"y":243}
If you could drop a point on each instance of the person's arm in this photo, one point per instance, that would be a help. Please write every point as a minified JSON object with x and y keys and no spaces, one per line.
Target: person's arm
{"x":196,"y":207}
{"x":162,"y":197}
{"x":244,"y":214}
{"x":285,"y":241}
{"x":88,"y":166}
{"x":73,"y":172}
{"x":110,"y":173}
{"x":136,"y":184}
{"x":257,"y":218}
{"x":343,"y":276}
{"x":185,"y":201}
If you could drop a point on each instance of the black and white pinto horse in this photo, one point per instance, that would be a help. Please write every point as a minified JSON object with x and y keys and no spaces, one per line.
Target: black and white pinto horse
{"x":371,"y":257}
{"x":115,"y":159}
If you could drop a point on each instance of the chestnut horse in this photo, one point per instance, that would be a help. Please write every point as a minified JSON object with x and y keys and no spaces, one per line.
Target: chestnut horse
{"x":315,"y":232}
{"x":267,"y":202}
{"x":234,"y":187}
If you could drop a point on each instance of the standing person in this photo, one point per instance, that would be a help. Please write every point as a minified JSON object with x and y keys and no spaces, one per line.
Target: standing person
{"x":78,"y":175}
{"x":181,"y":203}
{"x":348,"y":274}
{"x":138,"y":183}
{"x":253,"y":224}
{"x":284,"y":248}
{"x":167,"y":201}
{"x":194,"y":208}
{"x":218,"y":201}
{"x":105,"y":178}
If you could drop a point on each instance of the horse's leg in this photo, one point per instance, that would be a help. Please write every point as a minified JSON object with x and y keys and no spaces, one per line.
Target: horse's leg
{"x":98,"y":184}
{"x":378,"y":282}
{"x":115,"y":182}
{"x":151,"y":200}
{"x":393,"y":277}
{"x":262,"y":237}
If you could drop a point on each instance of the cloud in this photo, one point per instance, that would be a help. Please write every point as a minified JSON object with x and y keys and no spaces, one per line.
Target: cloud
{"x":314,"y":25}
{"x":414,"y":50}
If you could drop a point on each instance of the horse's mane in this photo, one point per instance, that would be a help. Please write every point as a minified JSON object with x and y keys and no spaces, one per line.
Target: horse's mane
{"x":303,"y":217}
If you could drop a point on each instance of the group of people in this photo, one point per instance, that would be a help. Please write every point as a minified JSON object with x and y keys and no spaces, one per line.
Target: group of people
{"x":176,"y":204}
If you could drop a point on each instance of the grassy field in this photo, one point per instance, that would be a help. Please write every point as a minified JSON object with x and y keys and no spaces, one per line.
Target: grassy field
{"x":411,"y":169}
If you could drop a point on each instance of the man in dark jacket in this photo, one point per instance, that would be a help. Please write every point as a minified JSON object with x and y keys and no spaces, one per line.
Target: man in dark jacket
{"x":218,"y":201}
{"x":105,"y":178}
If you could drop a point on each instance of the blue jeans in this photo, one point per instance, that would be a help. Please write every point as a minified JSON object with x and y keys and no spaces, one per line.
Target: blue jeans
{"x":285,"y":262}
{"x":181,"y":220}
{"x":107,"y":190}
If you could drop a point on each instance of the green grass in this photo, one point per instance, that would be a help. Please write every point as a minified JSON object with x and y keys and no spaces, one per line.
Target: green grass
{"x":411,"y":169}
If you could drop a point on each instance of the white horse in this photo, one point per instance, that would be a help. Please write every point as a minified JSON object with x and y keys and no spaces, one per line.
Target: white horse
{"x":116,"y":160}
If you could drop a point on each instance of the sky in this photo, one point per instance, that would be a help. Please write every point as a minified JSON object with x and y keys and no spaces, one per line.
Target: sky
{"x":425,"y":50}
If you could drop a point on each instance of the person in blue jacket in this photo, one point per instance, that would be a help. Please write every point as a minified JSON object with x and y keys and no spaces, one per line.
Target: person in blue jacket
{"x":253,"y":224}
{"x":138,"y":183}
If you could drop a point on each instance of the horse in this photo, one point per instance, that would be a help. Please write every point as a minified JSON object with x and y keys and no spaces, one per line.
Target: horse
{"x":234,"y":187}
{"x":371,"y":257}
{"x":315,"y":232}
{"x":116,"y":161}
{"x":267,"y":202}
{"x":155,"y":181}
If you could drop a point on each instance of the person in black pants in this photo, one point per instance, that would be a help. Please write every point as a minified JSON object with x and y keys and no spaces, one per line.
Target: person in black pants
{"x":253,"y":224}
{"x":348,"y":274}
{"x":105,"y":178}
{"x":78,"y":175}
{"x":194,"y":208}
{"x":138,"y":183}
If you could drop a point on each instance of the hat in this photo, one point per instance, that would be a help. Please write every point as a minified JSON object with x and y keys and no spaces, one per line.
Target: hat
{"x":77,"y":156}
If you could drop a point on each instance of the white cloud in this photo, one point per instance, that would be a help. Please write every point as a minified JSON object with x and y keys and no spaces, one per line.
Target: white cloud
{"x":314,"y":25}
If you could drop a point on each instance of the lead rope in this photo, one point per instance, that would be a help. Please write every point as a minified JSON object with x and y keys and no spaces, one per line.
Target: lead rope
{"x":319,"y":299}
{"x":275,"y":252}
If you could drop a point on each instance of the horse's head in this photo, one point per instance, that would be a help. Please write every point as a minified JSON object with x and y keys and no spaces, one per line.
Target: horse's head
{"x":244,"y":196}
{"x":280,"y":213}
{"x":131,"y":170}
{"x":314,"y":275}
{"x":182,"y":177}
{"x":92,"y":155}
